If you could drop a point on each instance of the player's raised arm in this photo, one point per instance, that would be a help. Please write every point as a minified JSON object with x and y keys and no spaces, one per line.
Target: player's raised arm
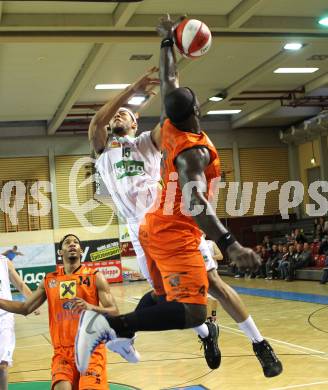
{"x":167,"y":68}
{"x":191,"y":164}
{"x":98,"y":133}
{"x":33,"y":302}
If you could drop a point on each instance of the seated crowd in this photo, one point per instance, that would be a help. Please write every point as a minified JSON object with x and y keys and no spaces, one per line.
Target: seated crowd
{"x":281,"y":260}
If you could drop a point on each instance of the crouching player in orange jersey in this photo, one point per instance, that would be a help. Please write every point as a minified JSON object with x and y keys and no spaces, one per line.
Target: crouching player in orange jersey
{"x":69,"y":291}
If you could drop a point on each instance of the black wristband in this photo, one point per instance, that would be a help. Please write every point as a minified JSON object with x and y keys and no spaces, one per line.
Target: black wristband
{"x":167,"y":42}
{"x":225,"y":241}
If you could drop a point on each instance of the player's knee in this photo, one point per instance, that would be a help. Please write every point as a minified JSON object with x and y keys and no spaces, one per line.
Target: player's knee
{"x":195,"y":315}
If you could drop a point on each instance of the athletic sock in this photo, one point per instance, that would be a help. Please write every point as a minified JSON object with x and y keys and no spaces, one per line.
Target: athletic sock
{"x":146,"y":301}
{"x":166,"y":316}
{"x":202,"y":331}
{"x":250,"y":329}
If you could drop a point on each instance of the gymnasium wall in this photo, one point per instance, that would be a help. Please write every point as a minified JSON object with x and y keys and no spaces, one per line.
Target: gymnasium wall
{"x":305,"y":155}
{"x":256,"y":148}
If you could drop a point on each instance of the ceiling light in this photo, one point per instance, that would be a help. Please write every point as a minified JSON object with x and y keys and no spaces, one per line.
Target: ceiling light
{"x":136,"y":100}
{"x":111,"y":86}
{"x":324,"y":21}
{"x":219,"y":96}
{"x":313,"y":161}
{"x":215,"y":98}
{"x":296,"y":70}
{"x":293,"y":46}
{"x":223,"y":112}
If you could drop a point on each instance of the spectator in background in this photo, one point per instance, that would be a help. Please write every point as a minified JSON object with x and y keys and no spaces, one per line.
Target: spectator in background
{"x":264,"y":254}
{"x":319,"y":228}
{"x":299,"y":236}
{"x":273,"y":262}
{"x":12,"y":253}
{"x":267,"y":244}
{"x":324,"y":278}
{"x":287,"y":261}
{"x":323,"y":249}
{"x":325,"y":228}
{"x":305,"y":259}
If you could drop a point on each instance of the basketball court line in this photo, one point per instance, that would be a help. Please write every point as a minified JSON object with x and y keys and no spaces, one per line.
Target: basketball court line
{"x":291,"y":346}
{"x":296,"y":347}
{"x":300,"y":385}
{"x":285,"y":295}
{"x":31,"y":346}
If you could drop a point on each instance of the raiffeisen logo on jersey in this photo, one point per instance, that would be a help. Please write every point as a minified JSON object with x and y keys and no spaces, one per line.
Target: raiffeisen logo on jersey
{"x":129,"y":168}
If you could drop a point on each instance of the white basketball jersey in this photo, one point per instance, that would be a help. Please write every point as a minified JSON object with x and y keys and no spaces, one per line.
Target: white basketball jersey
{"x":130,"y":168}
{"x":5,"y":292}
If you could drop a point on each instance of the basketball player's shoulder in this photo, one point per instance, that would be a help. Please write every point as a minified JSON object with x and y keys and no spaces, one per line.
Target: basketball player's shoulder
{"x":145,"y":135}
{"x":85,"y":270}
{"x":51,"y":275}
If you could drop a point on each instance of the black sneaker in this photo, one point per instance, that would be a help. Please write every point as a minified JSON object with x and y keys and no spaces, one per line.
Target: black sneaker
{"x":211,"y":349}
{"x":270,"y":363}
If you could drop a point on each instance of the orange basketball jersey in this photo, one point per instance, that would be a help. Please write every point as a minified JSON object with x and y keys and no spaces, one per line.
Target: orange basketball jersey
{"x":61,"y":290}
{"x":173,"y":142}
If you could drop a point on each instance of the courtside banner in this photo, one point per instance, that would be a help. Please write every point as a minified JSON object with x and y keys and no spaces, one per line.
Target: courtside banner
{"x":33,"y":276}
{"x":111,"y":269}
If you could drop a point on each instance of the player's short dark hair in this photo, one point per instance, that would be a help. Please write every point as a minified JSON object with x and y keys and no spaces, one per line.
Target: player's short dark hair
{"x":64,"y":238}
{"x":179,"y":104}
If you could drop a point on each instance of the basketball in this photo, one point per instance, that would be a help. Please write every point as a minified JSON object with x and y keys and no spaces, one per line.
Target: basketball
{"x":192,"y":38}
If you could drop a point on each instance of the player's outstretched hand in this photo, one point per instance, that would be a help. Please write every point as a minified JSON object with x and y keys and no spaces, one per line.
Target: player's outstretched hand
{"x":243,"y":258}
{"x":166,"y":26}
{"x":146,"y":82}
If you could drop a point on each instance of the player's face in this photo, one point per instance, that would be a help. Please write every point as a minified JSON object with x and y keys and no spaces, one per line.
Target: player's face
{"x":121,"y":123}
{"x":71,"y":249}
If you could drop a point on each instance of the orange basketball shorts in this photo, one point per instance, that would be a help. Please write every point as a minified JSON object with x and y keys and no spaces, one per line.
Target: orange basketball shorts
{"x":174,"y":261}
{"x":63,"y":368}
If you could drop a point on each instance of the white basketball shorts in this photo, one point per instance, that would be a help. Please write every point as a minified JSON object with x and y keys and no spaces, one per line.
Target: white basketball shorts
{"x":7,"y":337}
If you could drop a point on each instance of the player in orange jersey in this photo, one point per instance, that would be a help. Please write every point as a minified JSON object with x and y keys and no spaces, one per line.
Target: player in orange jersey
{"x":70,"y":290}
{"x":171,"y":235}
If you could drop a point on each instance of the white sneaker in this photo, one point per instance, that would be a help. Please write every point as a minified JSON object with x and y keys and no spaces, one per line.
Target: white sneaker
{"x":93,"y":329}
{"x":125,"y":348}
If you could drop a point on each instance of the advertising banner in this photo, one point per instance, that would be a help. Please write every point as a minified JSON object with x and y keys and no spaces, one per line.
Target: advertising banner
{"x":111,"y":269}
{"x":97,"y":250}
{"x":26,"y":256}
{"x":34,"y":275}
{"x":103,"y":255}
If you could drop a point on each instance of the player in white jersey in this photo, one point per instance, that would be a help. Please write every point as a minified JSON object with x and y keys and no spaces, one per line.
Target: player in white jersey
{"x":8,"y":275}
{"x":130,"y":168}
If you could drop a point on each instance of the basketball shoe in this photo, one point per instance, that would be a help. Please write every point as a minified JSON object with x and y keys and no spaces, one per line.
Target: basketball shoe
{"x":210,"y":343}
{"x":93,"y":330}
{"x":270,"y":363}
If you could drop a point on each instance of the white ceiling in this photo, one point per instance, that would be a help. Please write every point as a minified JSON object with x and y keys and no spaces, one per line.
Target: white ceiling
{"x":53,"y":53}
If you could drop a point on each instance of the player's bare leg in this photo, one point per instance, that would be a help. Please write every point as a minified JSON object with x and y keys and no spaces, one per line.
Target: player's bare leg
{"x":4,"y":375}
{"x":63,"y":385}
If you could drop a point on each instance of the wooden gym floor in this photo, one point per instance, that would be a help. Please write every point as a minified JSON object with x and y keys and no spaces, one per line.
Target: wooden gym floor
{"x":297,"y":329}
